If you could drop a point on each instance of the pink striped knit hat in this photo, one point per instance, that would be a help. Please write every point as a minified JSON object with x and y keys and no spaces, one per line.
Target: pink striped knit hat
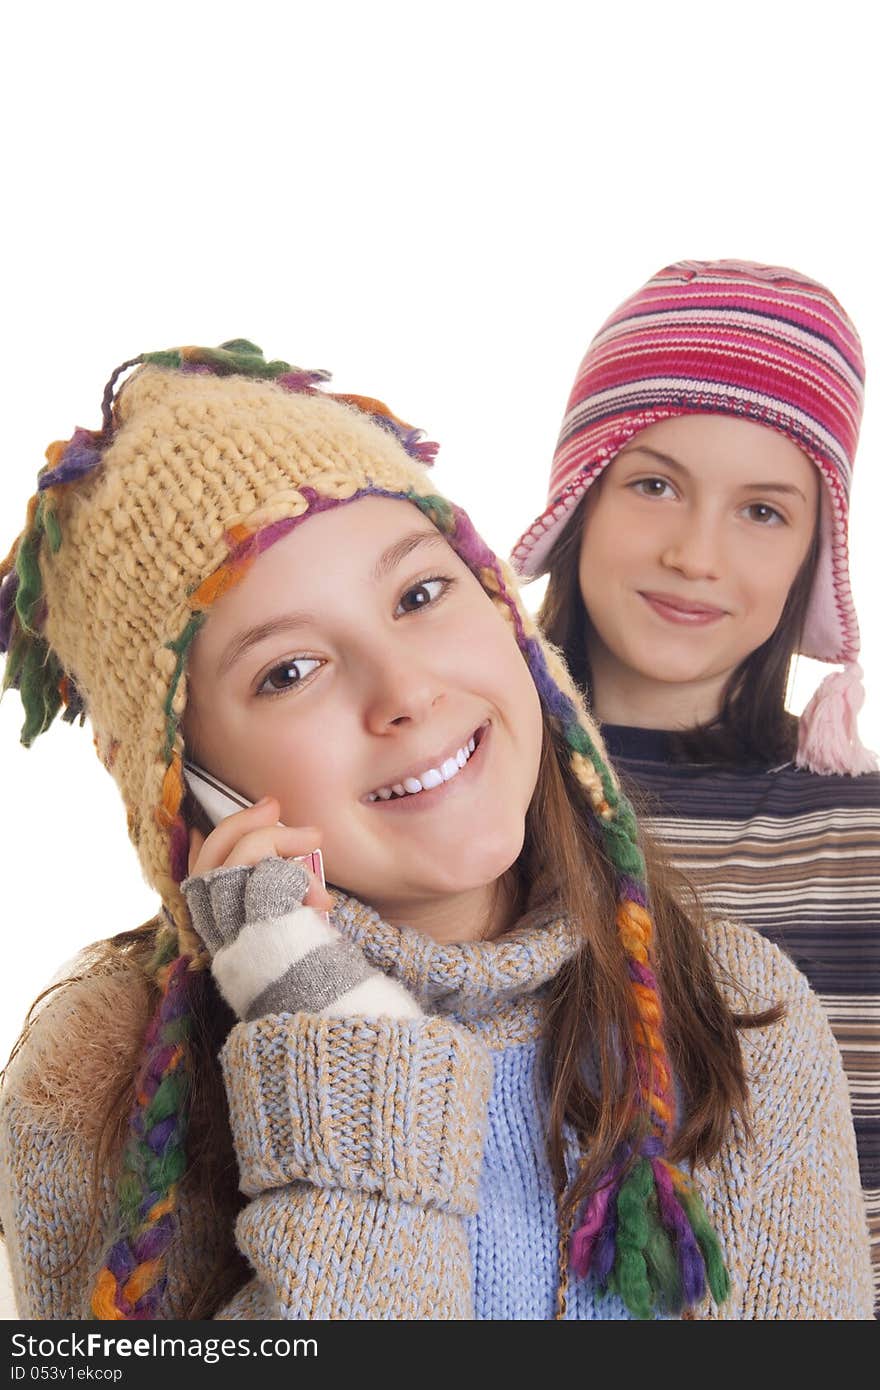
{"x":762,"y":343}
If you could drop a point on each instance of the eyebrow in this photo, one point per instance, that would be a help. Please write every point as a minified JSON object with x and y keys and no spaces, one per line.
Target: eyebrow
{"x":786,"y":489}
{"x":389,"y":560}
{"x":397,"y":553}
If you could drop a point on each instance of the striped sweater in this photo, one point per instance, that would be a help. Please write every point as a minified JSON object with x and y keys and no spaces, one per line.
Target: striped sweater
{"x":396,"y":1167}
{"x":796,"y":856}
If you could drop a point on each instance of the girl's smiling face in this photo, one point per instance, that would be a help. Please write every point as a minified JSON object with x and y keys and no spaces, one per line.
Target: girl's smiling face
{"x":394,"y":666}
{"x":691,"y":542}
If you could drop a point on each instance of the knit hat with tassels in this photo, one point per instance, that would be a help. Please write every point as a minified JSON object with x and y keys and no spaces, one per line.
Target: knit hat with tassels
{"x":761,"y":343}
{"x":204,"y":459}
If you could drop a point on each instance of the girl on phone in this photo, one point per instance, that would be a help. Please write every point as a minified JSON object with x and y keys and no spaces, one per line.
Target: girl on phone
{"x":497,"y":1071}
{"x":696,"y":540}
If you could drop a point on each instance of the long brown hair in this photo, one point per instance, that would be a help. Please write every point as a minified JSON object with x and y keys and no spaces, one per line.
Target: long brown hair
{"x":590,"y":1023}
{"x":753,"y":724}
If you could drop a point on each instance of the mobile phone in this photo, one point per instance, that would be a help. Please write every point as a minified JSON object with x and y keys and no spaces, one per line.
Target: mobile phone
{"x":217,"y":800}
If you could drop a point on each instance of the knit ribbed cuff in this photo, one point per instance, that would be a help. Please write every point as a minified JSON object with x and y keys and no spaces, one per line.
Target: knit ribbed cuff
{"x":222,"y":900}
{"x":384,"y":1105}
{"x":272,"y":955}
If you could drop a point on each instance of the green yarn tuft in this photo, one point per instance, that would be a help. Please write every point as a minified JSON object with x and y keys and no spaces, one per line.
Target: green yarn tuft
{"x":626,"y":818}
{"x":235,"y":357}
{"x":167,"y":947}
{"x":663,"y":1270}
{"x":622,"y":850}
{"x":436,"y":509}
{"x":14,"y":659}
{"x":53,"y":530}
{"x":39,"y":677}
{"x":180,"y":647}
{"x":170,"y":1168}
{"x":130,"y":1188}
{"x":169,"y":358}
{"x":716,"y":1270}
{"x":579,"y":740}
{"x":242,"y":345}
{"x":633,"y":1229}
{"x":30,"y":581}
{"x":170,"y":1094}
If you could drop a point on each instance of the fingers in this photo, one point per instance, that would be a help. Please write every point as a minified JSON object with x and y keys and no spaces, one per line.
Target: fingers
{"x":317,"y":896}
{"x":224,"y":837}
{"x":254,"y":834}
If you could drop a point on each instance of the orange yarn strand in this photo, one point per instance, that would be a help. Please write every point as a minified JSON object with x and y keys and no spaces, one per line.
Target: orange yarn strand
{"x":143,"y":1278}
{"x":104,"y":1298}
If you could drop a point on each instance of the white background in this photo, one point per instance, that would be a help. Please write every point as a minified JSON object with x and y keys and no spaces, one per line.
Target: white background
{"x":439,"y":204}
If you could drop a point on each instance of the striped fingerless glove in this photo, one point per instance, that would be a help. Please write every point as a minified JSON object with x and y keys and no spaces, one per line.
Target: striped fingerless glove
{"x":270,"y":954}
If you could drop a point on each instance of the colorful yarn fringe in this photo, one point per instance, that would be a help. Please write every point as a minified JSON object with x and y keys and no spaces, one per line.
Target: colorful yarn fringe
{"x":645,"y":1233}
{"x":132,"y":1281}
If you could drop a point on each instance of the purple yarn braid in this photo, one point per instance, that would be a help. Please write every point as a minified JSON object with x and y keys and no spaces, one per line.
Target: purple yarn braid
{"x":690,"y":1259}
{"x":585,"y":1239}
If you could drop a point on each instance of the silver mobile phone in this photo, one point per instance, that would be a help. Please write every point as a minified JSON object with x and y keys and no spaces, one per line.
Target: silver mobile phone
{"x":217,"y":800}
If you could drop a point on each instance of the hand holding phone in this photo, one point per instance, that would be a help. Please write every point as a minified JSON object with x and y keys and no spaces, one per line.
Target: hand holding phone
{"x":246,"y":833}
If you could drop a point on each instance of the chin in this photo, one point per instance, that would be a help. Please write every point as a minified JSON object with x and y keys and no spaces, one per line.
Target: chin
{"x":674,"y":671}
{"x":480,"y":865}
{"x":466,"y":868}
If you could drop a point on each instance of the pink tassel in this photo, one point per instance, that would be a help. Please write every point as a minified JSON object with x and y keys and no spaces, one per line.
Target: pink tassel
{"x":828,"y":741}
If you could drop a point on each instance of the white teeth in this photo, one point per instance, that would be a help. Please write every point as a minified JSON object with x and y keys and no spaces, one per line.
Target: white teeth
{"x":434,"y":776}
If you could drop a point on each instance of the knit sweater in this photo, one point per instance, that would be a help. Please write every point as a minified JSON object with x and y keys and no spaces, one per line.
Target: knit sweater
{"x":396,"y":1167}
{"x":796,"y":856}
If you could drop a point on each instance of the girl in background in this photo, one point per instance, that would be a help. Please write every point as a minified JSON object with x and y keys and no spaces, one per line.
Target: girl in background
{"x":696,"y":539}
{"x":489,"y":1073}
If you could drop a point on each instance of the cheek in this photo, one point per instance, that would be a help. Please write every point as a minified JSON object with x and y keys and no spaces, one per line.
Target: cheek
{"x":612,"y":549}
{"x":600,"y":573}
{"x":313,"y":777}
{"x":518,"y":694}
{"x":491,"y":664}
{"x":768,"y":583}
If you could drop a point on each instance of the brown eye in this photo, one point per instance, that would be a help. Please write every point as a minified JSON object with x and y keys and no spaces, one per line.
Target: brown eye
{"x":652,"y":487}
{"x":289,"y":674}
{"x":422,"y":595}
{"x":766,"y":515}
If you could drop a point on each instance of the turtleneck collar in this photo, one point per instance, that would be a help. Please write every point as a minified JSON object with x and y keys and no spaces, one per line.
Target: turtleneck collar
{"x":642,"y":745}
{"x":490,"y":985}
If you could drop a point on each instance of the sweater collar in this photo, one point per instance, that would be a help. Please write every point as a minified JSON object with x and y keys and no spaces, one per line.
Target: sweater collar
{"x":642,"y":745}
{"x":468,"y":979}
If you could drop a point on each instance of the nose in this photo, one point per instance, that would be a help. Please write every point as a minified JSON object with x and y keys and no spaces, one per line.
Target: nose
{"x":693,"y":550}
{"x":402,"y":691}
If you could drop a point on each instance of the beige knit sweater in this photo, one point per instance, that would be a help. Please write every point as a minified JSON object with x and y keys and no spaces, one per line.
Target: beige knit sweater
{"x":368,"y":1150}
